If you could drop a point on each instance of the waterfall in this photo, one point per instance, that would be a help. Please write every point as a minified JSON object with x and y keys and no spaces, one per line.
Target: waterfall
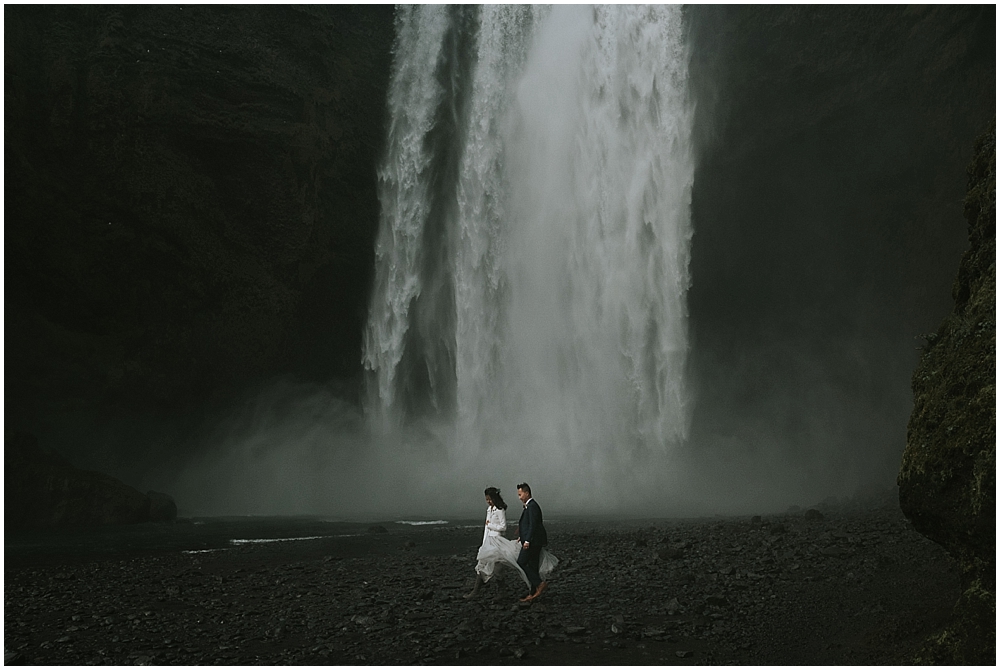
{"x":532,"y":257}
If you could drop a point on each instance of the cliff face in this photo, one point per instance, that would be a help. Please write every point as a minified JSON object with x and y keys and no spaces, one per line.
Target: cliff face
{"x":947,"y":482}
{"x":190,"y":199}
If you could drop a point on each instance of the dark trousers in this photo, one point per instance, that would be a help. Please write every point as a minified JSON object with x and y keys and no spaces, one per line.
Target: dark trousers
{"x":528,"y":560}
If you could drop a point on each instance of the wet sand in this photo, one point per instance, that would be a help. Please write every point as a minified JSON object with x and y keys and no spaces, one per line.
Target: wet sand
{"x":857,"y":586}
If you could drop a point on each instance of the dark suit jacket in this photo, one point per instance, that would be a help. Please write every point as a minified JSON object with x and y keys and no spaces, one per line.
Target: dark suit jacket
{"x":530,"y":528}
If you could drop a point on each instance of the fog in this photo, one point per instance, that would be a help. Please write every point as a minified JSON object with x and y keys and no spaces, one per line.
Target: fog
{"x":299,"y":450}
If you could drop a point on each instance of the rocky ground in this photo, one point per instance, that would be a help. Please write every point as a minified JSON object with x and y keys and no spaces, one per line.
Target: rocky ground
{"x":842,"y":584}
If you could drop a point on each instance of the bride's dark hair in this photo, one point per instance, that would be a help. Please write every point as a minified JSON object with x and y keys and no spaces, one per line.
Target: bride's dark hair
{"x":494,"y":494}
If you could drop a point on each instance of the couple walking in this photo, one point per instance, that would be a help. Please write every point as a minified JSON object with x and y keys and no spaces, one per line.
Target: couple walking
{"x":526,"y":554}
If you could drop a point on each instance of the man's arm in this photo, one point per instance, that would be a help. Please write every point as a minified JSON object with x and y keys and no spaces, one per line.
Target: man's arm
{"x":533,"y":513}
{"x":536,"y":519}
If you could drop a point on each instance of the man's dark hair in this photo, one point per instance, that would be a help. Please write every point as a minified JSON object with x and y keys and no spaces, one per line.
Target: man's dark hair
{"x":494,"y":494}
{"x":525,"y":487}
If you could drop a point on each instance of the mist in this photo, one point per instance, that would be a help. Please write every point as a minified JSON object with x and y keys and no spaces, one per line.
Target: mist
{"x":298,"y":449}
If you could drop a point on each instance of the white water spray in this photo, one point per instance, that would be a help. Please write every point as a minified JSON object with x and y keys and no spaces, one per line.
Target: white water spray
{"x":532,"y":261}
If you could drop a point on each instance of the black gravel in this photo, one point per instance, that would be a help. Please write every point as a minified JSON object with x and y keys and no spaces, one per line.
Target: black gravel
{"x":842,"y":584}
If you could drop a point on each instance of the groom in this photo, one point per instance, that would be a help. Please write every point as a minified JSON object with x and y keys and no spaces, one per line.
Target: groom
{"x":531,"y":537}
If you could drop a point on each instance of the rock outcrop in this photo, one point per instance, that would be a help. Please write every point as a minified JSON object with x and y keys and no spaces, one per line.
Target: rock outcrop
{"x":43,"y":490}
{"x":947,"y":482}
{"x":161,"y":507}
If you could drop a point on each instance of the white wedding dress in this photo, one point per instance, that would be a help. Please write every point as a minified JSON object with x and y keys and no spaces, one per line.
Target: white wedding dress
{"x":497,"y":549}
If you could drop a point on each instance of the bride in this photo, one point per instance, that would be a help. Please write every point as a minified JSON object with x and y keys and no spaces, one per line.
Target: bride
{"x":497,"y":548}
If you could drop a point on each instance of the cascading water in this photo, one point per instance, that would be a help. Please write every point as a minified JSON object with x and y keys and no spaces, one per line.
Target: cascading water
{"x":532,"y":261}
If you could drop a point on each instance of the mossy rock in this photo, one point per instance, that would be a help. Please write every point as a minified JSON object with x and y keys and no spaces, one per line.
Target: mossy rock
{"x":947,"y":482}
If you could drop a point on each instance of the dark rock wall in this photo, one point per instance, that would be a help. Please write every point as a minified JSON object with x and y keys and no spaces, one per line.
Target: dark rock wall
{"x":947,"y":482}
{"x":190,"y":200}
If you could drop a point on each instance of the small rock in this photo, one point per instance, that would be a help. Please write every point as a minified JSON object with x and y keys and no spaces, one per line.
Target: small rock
{"x":778,"y":529}
{"x":755,"y":520}
{"x":575,"y":630}
{"x":813,"y":515}
{"x":684,"y":654}
{"x":670,"y":553}
{"x":377,"y":529}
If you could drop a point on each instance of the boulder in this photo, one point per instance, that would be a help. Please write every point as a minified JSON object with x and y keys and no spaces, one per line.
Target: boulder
{"x":947,"y":481}
{"x":42,"y":489}
{"x":161,"y":507}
